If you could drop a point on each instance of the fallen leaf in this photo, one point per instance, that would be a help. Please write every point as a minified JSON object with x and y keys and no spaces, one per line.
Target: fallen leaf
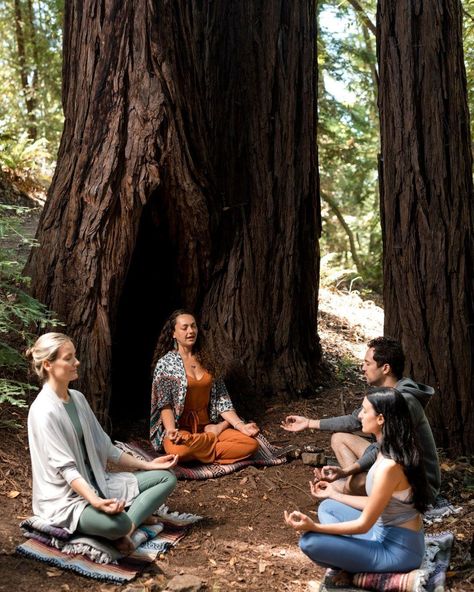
{"x":447,"y":467}
{"x":261,"y":567}
{"x":232,"y":561}
{"x":13,"y":494}
{"x":53,"y":574}
{"x":212,"y":562}
{"x":243,"y":481}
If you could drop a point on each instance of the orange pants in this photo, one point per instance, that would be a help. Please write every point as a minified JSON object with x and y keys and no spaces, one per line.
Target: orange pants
{"x":205,"y":447}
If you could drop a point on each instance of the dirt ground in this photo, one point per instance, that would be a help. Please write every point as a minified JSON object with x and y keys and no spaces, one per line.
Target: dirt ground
{"x":242,"y":542}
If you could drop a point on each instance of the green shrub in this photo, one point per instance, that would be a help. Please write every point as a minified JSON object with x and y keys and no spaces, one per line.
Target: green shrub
{"x":21,"y":316}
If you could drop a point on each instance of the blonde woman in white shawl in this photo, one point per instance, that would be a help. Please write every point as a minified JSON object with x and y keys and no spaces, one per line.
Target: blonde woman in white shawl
{"x":69,"y":453}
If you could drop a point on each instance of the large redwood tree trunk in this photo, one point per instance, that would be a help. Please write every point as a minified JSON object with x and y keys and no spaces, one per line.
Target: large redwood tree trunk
{"x":186,"y":175}
{"x":427,"y":205}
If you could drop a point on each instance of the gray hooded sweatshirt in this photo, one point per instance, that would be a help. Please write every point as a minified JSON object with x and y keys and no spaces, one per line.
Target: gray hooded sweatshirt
{"x":417,"y":397}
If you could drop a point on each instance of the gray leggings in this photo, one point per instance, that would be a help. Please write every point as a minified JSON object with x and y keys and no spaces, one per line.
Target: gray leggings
{"x":154,"y":487}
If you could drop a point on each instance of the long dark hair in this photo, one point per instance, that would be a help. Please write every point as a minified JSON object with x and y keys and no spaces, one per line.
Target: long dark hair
{"x":400,"y":441}
{"x":200,"y":348}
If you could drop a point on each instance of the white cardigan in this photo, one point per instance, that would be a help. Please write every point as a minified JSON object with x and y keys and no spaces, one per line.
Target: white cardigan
{"x":57,"y":459}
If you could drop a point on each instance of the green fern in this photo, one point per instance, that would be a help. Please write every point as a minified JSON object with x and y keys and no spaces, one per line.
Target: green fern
{"x":14,"y":392}
{"x":21,"y":317}
{"x":26,"y":157}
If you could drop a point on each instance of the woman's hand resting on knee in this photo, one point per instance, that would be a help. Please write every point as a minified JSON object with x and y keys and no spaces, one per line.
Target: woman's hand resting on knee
{"x":299,"y":521}
{"x":173,"y":435}
{"x":109,"y":506}
{"x":168,"y":461}
{"x":321,"y":489}
{"x":249,"y":429}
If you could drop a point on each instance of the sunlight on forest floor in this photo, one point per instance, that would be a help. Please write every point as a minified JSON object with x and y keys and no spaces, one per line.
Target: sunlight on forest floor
{"x":348,"y":313}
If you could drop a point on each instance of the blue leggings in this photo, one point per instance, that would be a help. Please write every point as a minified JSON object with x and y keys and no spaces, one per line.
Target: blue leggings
{"x":381,"y":549}
{"x":154,"y":487}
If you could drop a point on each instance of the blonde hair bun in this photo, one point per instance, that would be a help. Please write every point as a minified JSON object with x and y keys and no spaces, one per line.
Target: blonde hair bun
{"x":45,"y":349}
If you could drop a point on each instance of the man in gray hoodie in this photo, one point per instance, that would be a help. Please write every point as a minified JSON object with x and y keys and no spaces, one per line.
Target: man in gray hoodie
{"x":383,"y":366}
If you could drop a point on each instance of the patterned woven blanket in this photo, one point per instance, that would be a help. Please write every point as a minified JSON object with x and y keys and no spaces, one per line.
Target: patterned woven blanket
{"x":97,"y":558}
{"x":430,"y":577}
{"x":266,"y":455}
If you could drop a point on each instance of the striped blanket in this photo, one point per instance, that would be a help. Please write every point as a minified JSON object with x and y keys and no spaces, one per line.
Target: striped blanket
{"x":266,"y":455}
{"x":98,"y":559}
{"x":430,"y":577}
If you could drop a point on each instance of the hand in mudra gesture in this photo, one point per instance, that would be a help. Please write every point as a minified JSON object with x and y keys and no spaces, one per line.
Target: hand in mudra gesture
{"x":168,"y":461}
{"x":109,"y":506}
{"x":329,"y":473}
{"x":299,"y":521}
{"x":295,"y":423}
{"x":321,"y":490}
{"x":249,"y":429}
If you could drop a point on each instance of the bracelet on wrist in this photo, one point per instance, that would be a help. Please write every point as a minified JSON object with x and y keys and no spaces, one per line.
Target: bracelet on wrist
{"x":238,"y":423}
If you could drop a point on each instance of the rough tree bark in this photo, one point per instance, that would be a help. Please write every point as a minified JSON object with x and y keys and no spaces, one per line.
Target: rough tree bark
{"x":186,"y":176}
{"x":427,"y":205}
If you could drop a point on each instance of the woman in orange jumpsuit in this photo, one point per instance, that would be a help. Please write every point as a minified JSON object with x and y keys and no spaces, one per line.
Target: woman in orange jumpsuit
{"x":191,"y":411}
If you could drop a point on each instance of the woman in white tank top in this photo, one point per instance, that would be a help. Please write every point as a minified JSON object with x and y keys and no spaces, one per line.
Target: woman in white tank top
{"x":382,"y":532}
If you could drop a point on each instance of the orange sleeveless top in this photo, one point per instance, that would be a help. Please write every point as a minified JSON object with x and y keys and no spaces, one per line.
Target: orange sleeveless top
{"x":195,"y":414}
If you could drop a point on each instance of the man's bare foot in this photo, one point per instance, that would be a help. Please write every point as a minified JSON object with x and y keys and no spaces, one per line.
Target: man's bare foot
{"x":216,"y":428}
{"x":152,"y":520}
{"x":125,"y":545}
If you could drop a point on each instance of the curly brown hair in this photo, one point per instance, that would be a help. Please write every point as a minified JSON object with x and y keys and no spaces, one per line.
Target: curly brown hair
{"x":201,"y":348}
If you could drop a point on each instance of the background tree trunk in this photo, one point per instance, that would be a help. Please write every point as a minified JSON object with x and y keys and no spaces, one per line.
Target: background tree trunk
{"x":186,"y":176}
{"x":427,"y":205}
{"x":29,"y":87}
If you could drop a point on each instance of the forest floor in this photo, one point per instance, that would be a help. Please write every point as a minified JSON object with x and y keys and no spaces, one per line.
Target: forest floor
{"x":242,"y":542}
